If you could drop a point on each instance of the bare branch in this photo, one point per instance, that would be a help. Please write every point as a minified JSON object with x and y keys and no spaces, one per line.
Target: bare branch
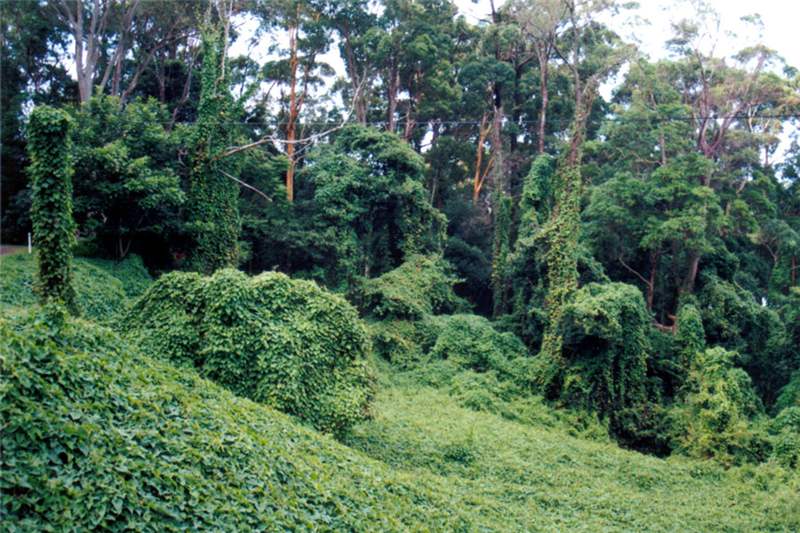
{"x":246,"y":185}
{"x":310,"y":138}
{"x":635,"y":273}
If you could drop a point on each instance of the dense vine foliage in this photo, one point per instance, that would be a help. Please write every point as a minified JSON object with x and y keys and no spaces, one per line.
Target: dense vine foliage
{"x":561,"y":235}
{"x":420,"y":286}
{"x":606,"y":345}
{"x":212,"y":200}
{"x":51,"y":208}
{"x":422,"y":231}
{"x":103,"y":288}
{"x":285,"y":343}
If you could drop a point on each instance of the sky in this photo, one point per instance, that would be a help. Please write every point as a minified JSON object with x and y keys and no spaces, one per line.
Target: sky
{"x":649,"y":26}
{"x":779,"y":17}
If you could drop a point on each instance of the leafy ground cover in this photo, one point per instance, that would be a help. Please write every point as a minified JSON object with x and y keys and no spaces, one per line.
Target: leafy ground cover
{"x":545,"y":478}
{"x":104,"y":287}
{"x":98,"y":435}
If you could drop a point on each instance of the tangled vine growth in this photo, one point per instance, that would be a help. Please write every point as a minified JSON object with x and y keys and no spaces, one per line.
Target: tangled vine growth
{"x":212,"y":196}
{"x":561,"y":233}
{"x":51,"y":209}
{"x":420,"y":286}
{"x":605,"y":330}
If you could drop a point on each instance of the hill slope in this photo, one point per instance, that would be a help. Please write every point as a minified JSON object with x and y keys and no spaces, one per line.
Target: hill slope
{"x":98,"y":435}
{"x":104,"y":287}
{"x":545,"y":479}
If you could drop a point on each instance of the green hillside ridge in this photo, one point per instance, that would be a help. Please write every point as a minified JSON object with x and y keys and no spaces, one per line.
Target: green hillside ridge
{"x":97,"y":435}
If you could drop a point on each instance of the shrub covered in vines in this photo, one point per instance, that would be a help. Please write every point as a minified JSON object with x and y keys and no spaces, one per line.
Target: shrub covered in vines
{"x":713,"y":420}
{"x":420,"y":286}
{"x":473,"y":343}
{"x":690,"y":339}
{"x":405,"y":343}
{"x":283,"y":342}
{"x":790,"y":394}
{"x":733,"y":319}
{"x":784,"y":430}
{"x":605,"y":331}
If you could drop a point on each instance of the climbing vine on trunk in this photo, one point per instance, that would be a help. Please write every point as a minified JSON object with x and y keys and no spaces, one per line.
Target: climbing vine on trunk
{"x":561,"y":234}
{"x":213,"y":197}
{"x":51,"y":210}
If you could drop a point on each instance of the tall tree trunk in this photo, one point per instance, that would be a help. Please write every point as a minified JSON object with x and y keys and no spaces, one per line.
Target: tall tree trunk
{"x":691,"y":275}
{"x":480,"y":174}
{"x":357,"y":79}
{"x":291,"y":123}
{"x":392,"y":88}
{"x":408,"y":130}
{"x":545,"y":96}
{"x":498,"y":177}
{"x":651,"y":286}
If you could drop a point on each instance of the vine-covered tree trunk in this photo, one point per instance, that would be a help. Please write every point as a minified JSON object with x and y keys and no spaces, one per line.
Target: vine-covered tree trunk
{"x":502,"y":249}
{"x":562,"y":234}
{"x":51,"y":210}
{"x":212,"y":196}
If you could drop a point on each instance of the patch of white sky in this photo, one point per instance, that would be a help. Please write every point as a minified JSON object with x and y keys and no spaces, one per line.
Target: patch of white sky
{"x":649,"y":26}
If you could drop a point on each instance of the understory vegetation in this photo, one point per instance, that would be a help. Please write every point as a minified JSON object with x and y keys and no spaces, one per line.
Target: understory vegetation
{"x":502,"y":274}
{"x":103,"y":288}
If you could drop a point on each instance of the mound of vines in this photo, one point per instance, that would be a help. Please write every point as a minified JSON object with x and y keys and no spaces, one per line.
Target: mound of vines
{"x":420,"y":286}
{"x":283,"y":342}
{"x":605,"y":334}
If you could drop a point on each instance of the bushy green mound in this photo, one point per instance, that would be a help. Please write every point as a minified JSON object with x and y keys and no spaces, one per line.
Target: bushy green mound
{"x":283,"y":342}
{"x":471,"y":342}
{"x":422,"y":285}
{"x":790,"y":394}
{"x":103,"y":286}
{"x":405,"y":343}
{"x":713,"y":419}
{"x":784,"y":430}
{"x":603,"y":368}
